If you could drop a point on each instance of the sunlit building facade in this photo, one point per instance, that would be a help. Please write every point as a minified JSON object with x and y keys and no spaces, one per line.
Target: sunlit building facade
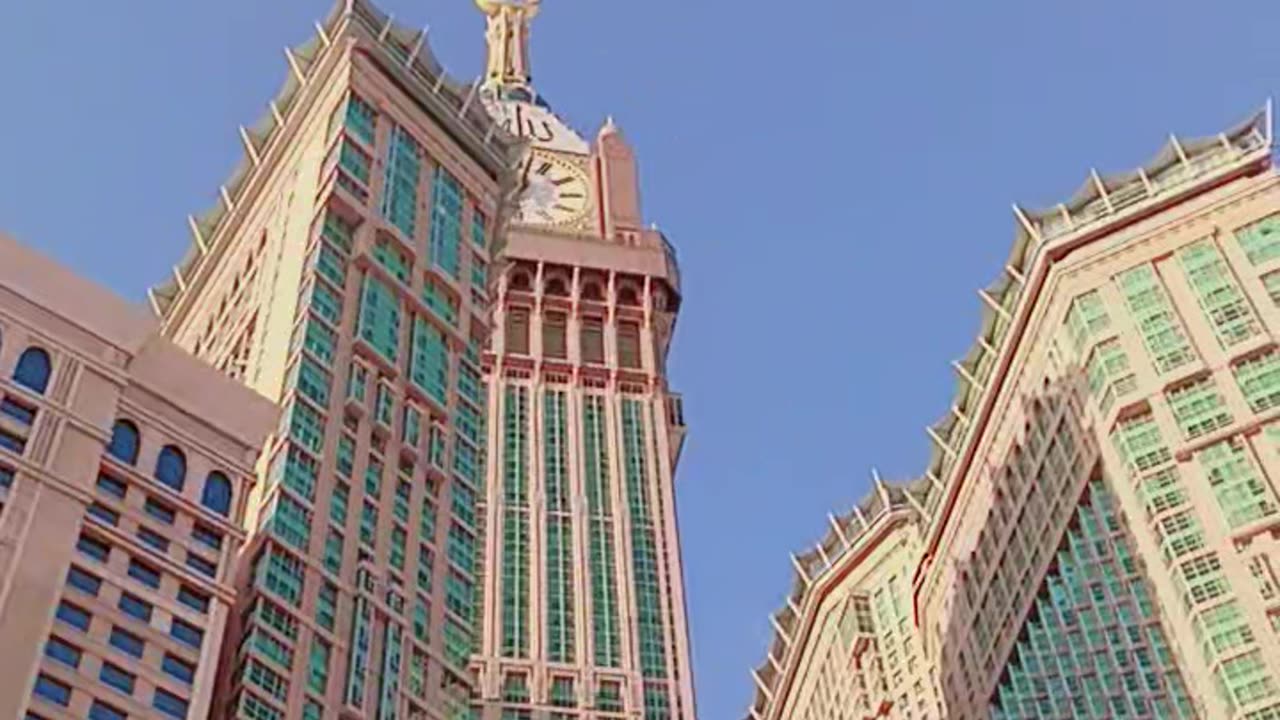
{"x":1101,"y":531}
{"x":344,"y":274}
{"x":584,"y":613}
{"x":126,"y":467}
{"x":845,"y":645}
{"x":467,"y":507}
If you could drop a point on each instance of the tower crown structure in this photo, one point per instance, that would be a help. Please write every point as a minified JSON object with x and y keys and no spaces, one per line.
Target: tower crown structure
{"x":507,"y":37}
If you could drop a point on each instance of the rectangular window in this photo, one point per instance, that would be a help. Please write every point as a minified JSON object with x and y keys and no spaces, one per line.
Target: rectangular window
{"x":102,"y":711}
{"x":52,"y":691}
{"x":193,"y":599}
{"x":206,"y":537}
{"x":1218,"y":293}
{"x":186,"y":633}
{"x":159,"y":511}
{"x":1259,"y":380}
{"x":144,"y":574}
{"x":135,"y":607}
{"x":93,"y":548}
{"x":379,"y":318}
{"x":628,"y":344}
{"x":178,"y":669}
{"x":1260,"y":240}
{"x":1162,"y":331}
{"x":201,"y":565}
{"x":592,"y":340}
{"x":400,"y":195}
{"x":17,"y":411}
{"x":113,"y":487}
{"x":517,"y":331}
{"x":85,"y":582}
{"x":553,"y":335}
{"x":117,"y":678}
{"x":154,"y":540}
{"x":327,"y":606}
{"x":126,"y":642}
{"x":63,"y":652}
{"x":446,"y":222}
{"x":338,"y":504}
{"x":74,"y":616}
{"x":169,"y":704}
{"x":103,"y":515}
{"x":1198,"y":407}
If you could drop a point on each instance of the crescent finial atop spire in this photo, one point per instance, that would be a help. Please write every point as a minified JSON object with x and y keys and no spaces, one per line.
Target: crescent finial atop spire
{"x":507,"y":38}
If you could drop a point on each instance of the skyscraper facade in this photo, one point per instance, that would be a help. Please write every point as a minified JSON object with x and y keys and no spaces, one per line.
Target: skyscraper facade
{"x":125,"y":470}
{"x":584,"y":613}
{"x":467,"y":506}
{"x":344,"y":274}
{"x":1100,"y":513}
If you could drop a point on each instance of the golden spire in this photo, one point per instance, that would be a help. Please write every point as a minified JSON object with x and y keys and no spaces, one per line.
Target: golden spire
{"x":507,"y":37}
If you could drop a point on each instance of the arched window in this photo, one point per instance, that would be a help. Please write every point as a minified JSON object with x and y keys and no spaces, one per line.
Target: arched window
{"x":171,"y":468}
{"x":556,"y":287}
{"x":33,"y":370}
{"x":591,"y":291}
{"x":627,"y":295}
{"x":124,"y":442}
{"x":217,"y":493}
{"x":520,"y":281}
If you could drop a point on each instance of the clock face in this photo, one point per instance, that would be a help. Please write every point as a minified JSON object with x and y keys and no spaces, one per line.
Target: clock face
{"x":555,"y":191}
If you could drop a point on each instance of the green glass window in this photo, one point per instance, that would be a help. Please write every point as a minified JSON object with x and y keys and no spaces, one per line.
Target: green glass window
{"x":333,"y":551}
{"x":339,"y":232}
{"x":290,"y":522}
{"x":380,"y":318}
{"x":1198,"y":407}
{"x":1261,"y":240}
{"x":1137,"y":440}
{"x":515,"y":524}
{"x":326,"y":303}
{"x":320,"y":342}
{"x":318,"y":667}
{"x":327,"y":606}
{"x":282,"y":574}
{"x":1162,"y":331}
{"x":1218,"y":293}
{"x":392,"y":259}
{"x":1259,"y":380}
{"x":355,"y":162}
{"x":440,"y":301}
{"x":429,"y":364}
{"x":361,"y":119}
{"x":369,"y":524}
{"x":338,"y":504}
{"x":1243,"y":494}
{"x":306,"y":427}
{"x":312,"y":381}
{"x":404,"y":165}
{"x":446,"y":222}
{"x":559,"y":532}
{"x":644,"y":552}
{"x":605,"y":626}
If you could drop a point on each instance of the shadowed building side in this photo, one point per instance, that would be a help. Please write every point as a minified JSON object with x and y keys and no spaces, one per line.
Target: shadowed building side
{"x":126,"y":466}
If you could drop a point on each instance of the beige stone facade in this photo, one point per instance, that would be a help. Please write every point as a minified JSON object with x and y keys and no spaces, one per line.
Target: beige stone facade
{"x":1100,"y":514}
{"x":846,"y":646}
{"x":126,"y":466}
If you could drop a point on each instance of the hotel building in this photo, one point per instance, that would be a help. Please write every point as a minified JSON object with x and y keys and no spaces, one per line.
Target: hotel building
{"x":467,"y":507}
{"x":584,"y":613}
{"x":126,"y":466}
{"x":1101,"y":534}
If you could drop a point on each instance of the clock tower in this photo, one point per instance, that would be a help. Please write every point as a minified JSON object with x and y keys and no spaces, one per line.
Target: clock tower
{"x":584,"y":607}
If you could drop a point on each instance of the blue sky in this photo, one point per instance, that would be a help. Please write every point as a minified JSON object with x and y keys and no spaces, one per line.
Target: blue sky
{"x":837,"y":177}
